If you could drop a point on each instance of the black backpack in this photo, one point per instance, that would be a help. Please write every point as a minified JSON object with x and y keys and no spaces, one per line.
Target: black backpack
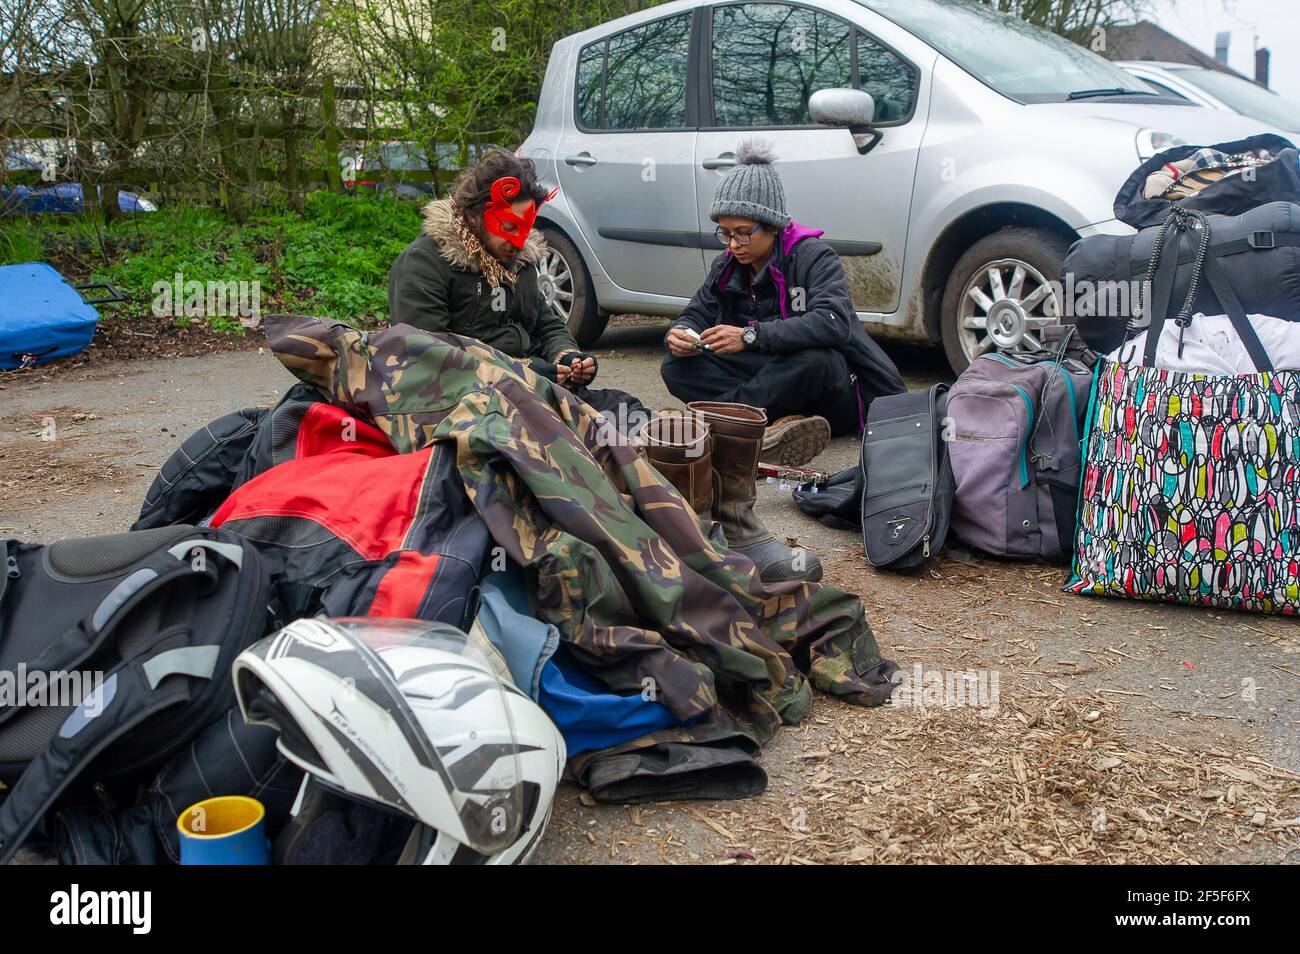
{"x":116,"y":650}
{"x":907,"y":489}
{"x":900,"y":494}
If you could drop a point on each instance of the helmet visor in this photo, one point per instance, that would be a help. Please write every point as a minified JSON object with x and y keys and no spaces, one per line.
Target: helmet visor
{"x":449,"y":734}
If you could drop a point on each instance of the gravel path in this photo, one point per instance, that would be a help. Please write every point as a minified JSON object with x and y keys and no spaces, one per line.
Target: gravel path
{"x":1123,"y":732}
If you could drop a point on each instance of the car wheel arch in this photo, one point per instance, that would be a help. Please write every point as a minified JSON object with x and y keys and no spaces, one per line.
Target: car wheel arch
{"x":963,"y":232}
{"x":587,"y":319}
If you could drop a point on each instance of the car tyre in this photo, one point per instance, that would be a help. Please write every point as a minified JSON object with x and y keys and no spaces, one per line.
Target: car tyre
{"x":999,"y":295}
{"x":566,"y":285}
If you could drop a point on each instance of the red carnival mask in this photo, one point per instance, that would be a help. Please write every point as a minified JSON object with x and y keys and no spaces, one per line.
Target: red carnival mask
{"x":501,"y":220}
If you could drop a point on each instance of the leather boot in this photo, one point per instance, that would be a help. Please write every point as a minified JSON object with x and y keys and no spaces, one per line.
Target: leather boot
{"x":737,"y":431}
{"x":795,"y":440}
{"x":679,"y":446}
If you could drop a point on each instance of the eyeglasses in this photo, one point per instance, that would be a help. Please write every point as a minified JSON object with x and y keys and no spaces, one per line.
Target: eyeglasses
{"x":742,"y":238}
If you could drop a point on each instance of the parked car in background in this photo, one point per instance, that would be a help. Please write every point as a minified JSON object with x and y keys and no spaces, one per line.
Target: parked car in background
{"x":1218,"y":90}
{"x":369,"y":165}
{"x":64,"y":197}
{"x":951,"y":154}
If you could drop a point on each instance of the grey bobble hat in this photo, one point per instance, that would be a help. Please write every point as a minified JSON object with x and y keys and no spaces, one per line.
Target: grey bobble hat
{"x":752,"y":189}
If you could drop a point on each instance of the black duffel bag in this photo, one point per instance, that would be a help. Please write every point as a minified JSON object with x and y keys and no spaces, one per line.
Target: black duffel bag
{"x":1277,"y":180}
{"x":1259,"y":250}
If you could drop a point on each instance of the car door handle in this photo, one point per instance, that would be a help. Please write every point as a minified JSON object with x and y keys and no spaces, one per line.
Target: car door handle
{"x":581,"y":159}
{"x":724,"y":161}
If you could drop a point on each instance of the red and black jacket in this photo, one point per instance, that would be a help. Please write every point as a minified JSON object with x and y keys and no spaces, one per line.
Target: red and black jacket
{"x":349,"y":526}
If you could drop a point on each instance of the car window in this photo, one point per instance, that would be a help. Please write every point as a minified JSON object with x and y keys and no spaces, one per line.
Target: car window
{"x":591,"y":67}
{"x":891,"y":81}
{"x":644,"y":77}
{"x":769,"y":58}
{"x":1009,"y":54}
{"x":1249,"y":99}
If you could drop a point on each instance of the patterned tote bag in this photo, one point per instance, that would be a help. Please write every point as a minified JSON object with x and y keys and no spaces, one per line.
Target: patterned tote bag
{"x":1191,"y":482}
{"x":1191,"y":489}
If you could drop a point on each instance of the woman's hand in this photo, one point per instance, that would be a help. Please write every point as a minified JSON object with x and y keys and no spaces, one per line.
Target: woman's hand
{"x":680,"y":344}
{"x":723,"y":339}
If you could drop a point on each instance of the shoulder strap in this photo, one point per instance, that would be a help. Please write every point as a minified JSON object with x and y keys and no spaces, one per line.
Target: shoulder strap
{"x":186,"y":561}
{"x":130,"y":695}
{"x":1221,"y":285}
{"x":1162,"y":291}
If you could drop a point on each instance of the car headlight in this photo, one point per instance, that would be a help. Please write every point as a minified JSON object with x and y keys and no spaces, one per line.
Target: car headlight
{"x":1152,"y":141}
{"x":144,"y":205}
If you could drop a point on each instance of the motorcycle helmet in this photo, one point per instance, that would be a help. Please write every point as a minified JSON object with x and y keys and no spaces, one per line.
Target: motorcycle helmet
{"x":415,"y":749}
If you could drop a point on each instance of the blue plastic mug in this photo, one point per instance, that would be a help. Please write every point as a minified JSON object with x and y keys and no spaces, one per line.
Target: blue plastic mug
{"x":226,"y":830}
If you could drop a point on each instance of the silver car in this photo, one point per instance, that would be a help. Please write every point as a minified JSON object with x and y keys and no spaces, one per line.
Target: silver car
{"x":1218,"y":90}
{"x":950,"y":153}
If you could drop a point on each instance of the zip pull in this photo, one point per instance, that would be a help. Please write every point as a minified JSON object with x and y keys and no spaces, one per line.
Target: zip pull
{"x":11,"y":568}
{"x":105,"y":799}
{"x":925,"y":546}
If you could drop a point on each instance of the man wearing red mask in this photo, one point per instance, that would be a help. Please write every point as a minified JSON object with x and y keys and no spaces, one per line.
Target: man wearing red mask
{"x":473,"y":271}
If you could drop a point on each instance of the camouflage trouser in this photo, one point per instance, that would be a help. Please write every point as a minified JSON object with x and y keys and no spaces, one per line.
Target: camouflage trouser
{"x":622,"y":567}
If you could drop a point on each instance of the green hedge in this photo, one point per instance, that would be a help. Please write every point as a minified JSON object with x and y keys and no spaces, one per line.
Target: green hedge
{"x":333,"y":260}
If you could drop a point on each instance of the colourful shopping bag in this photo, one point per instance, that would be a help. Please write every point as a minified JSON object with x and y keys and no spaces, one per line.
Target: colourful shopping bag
{"x":1191,"y":489}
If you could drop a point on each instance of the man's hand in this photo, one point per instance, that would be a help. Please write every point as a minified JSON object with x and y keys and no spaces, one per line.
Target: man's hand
{"x":573,"y":371}
{"x":680,"y":344}
{"x":723,"y":339}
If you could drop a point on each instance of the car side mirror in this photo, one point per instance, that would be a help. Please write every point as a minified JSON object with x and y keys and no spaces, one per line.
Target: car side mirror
{"x":851,"y":109}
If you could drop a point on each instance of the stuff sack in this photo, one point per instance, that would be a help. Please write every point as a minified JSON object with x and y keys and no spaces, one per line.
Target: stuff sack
{"x":837,"y":503}
{"x":1214,"y":188}
{"x":43,"y":317}
{"x":1015,"y":423}
{"x":116,"y":649}
{"x":907,"y":480}
{"x":1191,"y":489}
{"x":1108,"y":276}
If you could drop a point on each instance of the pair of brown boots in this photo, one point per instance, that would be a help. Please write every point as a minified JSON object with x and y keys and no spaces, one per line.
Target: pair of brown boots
{"x":710,"y":454}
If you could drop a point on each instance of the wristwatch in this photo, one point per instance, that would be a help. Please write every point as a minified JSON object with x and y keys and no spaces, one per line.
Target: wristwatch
{"x":749,"y":336}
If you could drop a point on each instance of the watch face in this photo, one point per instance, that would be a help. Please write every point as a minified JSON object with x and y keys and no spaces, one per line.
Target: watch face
{"x":749,"y":336}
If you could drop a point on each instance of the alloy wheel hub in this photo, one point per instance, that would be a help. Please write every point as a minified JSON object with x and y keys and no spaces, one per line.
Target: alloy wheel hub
{"x":1006,"y":324}
{"x":546,"y":285}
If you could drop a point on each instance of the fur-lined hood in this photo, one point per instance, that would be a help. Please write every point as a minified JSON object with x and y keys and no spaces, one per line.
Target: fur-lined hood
{"x":438,"y":225}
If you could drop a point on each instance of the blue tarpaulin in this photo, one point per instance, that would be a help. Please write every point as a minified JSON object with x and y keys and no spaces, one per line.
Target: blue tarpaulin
{"x":42,"y":317}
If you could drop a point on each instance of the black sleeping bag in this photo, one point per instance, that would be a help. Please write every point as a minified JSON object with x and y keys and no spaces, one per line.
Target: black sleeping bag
{"x":1259,"y":252}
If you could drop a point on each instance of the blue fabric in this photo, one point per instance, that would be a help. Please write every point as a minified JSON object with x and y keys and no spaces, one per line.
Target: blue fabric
{"x":587,"y":714}
{"x":525,"y":642}
{"x":41,"y":315}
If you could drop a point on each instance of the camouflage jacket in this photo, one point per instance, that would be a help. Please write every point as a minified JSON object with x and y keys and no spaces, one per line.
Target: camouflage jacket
{"x":623,"y":568}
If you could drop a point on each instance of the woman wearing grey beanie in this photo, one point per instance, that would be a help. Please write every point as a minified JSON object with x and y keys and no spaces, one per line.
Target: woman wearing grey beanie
{"x":773,"y":329}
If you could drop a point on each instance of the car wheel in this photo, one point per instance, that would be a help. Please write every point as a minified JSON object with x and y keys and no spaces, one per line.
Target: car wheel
{"x":566,"y":288}
{"x":1000,"y":295}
